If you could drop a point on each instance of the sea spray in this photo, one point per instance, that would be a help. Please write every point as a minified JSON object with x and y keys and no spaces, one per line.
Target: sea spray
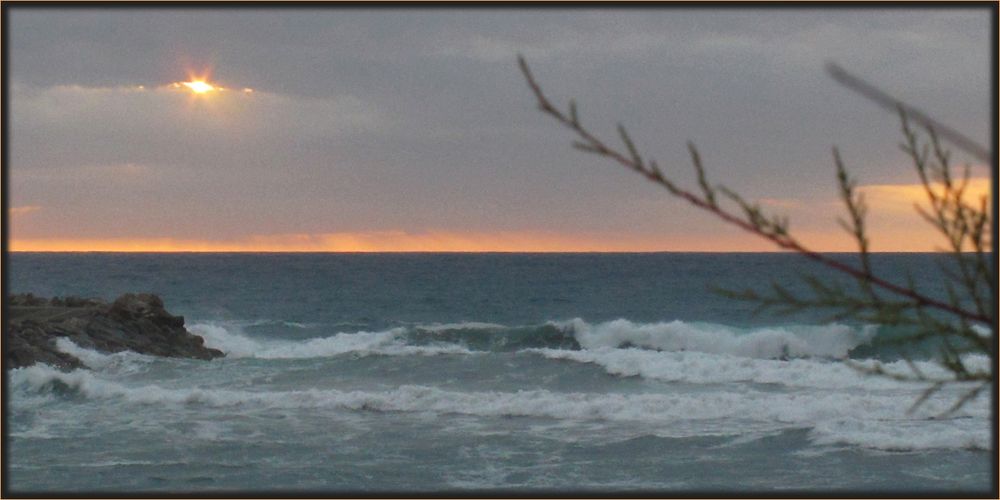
{"x":234,"y":343}
{"x":597,"y":374}
{"x":832,"y":340}
{"x":876,"y":415}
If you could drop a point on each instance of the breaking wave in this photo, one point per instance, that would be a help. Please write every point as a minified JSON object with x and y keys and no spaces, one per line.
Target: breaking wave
{"x":869,"y":419}
{"x":831,"y":341}
{"x":230,"y":340}
{"x":828,"y":341}
{"x":704,"y":368}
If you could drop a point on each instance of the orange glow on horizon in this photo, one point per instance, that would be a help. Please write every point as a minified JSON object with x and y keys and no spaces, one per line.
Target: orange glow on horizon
{"x":894,"y":221}
{"x":894,"y":226}
{"x":732,"y":241}
{"x":896,"y":197}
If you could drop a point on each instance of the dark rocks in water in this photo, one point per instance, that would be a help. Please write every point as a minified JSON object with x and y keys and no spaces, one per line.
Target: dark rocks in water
{"x":133,"y":322}
{"x":144,"y":306}
{"x":26,"y":299}
{"x":72,"y":301}
{"x":30,"y":343}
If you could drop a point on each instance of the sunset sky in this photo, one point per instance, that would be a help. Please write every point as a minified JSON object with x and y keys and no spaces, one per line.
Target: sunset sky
{"x":350,"y":129}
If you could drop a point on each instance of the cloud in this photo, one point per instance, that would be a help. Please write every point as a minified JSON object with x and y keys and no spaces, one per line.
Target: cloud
{"x":117,"y":173}
{"x":595,"y":46}
{"x":893,"y":226}
{"x":129,"y":124}
{"x":371,"y":121}
{"x":782,"y":203}
{"x":893,"y":222}
{"x":171,"y":105}
{"x":128,"y":160}
{"x":896,"y":198}
{"x":25,"y":210}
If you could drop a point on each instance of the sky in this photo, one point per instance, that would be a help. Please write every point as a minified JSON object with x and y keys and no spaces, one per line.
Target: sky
{"x":384,"y":129}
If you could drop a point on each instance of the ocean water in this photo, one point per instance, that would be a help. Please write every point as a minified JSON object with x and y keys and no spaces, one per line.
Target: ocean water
{"x":508,"y":373}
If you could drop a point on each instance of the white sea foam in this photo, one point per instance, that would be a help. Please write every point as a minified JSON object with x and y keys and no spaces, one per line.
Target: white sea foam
{"x":227,"y":340}
{"x":106,"y":463}
{"x":235,"y":344}
{"x":982,"y":331}
{"x":90,"y":358}
{"x":705,"y":368}
{"x":827,"y":341}
{"x":832,"y":340}
{"x":465,"y":325}
{"x":273,"y":322}
{"x":961,"y":433}
{"x":119,"y":362}
{"x":865,"y":418}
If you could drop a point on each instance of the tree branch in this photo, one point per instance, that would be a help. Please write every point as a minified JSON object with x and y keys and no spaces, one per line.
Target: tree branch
{"x":892,"y":104}
{"x":755,"y":223}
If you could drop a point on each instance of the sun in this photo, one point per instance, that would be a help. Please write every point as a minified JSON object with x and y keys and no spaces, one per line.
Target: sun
{"x":199,"y":86}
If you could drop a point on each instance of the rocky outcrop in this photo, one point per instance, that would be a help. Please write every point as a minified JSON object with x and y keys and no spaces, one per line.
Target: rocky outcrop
{"x":133,"y":322}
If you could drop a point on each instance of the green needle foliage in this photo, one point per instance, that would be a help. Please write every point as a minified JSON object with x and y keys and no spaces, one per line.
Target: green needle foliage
{"x":962,"y":325}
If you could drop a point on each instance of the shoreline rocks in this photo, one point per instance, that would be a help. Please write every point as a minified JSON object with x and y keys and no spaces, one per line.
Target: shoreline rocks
{"x":133,"y":322}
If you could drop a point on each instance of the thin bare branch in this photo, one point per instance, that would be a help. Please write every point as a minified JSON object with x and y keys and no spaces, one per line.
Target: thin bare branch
{"x":753,"y":222}
{"x":892,"y":104}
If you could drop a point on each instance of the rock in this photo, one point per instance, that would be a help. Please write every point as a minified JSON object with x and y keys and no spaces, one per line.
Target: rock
{"x":144,"y":305}
{"x":26,"y":299}
{"x":133,"y":322}
{"x":72,"y":301}
{"x":29,"y":345}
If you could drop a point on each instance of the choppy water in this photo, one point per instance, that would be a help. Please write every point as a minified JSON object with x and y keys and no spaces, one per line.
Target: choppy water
{"x":460,"y":372}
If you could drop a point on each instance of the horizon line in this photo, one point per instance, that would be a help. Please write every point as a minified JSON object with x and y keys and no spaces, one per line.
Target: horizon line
{"x":554,"y":252}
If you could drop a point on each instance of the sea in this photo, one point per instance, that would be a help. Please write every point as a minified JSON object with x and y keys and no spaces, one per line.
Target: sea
{"x":509,"y":374}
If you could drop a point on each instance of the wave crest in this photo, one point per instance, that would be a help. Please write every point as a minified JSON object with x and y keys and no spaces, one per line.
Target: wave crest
{"x":828,"y":341}
{"x":874,"y":419}
{"x":230,"y":340}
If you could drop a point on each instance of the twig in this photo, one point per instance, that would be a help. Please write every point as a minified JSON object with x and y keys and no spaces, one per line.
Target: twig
{"x":755,"y":223}
{"x":892,"y":104}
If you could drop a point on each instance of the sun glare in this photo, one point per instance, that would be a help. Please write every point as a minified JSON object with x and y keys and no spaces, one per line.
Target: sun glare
{"x":199,"y":86}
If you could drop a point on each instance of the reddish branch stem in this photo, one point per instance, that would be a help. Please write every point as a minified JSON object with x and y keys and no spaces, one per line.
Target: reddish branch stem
{"x":782,"y":241}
